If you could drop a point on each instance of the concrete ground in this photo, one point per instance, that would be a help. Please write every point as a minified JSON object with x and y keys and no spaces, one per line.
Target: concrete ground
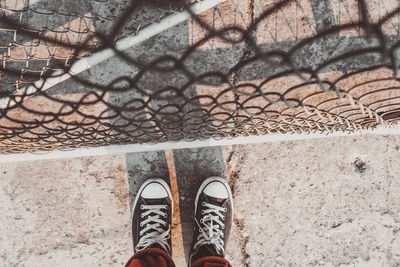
{"x":326,"y":202}
{"x":330,"y":202}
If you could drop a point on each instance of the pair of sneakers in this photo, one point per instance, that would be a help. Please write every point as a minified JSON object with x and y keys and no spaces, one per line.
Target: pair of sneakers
{"x":152,"y":214}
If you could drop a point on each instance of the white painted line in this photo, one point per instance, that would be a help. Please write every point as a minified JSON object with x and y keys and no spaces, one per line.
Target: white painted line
{"x":121,"y":45}
{"x":122,"y":149}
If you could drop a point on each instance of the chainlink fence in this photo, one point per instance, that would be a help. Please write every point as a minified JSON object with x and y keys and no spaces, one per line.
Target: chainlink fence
{"x":244,"y":67}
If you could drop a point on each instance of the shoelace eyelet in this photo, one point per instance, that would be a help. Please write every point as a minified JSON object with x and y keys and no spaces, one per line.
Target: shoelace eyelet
{"x":203,"y":203}
{"x":142,"y":215}
{"x":141,"y":207}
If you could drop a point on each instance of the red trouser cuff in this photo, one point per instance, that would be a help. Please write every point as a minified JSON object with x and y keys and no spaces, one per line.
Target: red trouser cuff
{"x":211,"y":261}
{"x":151,"y":257}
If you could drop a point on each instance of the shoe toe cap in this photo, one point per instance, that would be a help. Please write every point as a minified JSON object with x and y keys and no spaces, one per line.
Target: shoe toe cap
{"x":154,"y":191}
{"x":216,"y":189}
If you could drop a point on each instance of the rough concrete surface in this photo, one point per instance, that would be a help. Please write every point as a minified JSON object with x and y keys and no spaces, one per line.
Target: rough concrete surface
{"x":327,"y":202}
{"x":332,"y":202}
{"x":64,"y":213}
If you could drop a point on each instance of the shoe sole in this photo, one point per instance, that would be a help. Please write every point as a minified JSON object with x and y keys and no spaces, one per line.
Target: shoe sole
{"x":153,"y":180}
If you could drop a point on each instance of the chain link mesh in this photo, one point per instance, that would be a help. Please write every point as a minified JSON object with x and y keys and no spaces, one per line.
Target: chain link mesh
{"x":250,"y":67}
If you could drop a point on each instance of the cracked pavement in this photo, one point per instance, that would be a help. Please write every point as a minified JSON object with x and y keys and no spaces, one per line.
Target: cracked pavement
{"x":308,"y":203}
{"x":321,"y":202}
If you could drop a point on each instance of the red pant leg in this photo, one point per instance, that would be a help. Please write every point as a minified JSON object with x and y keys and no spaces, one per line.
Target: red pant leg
{"x":151,"y":257}
{"x":211,"y":261}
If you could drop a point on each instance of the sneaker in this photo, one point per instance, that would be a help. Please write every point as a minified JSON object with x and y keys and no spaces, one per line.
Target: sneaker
{"x":213,"y":219}
{"x":152,"y":216}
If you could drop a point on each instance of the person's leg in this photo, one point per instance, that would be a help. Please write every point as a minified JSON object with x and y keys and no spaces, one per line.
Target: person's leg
{"x":211,"y":261}
{"x":212,"y":224}
{"x":151,"y":226}
{"x":151,"y":257}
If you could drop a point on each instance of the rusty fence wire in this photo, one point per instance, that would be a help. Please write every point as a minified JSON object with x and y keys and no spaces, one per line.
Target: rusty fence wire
{"x":245,"y":67}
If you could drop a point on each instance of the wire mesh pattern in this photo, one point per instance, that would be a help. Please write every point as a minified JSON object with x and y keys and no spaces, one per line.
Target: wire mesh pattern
{"x":42,"y":36}
{"x":243,"y":68}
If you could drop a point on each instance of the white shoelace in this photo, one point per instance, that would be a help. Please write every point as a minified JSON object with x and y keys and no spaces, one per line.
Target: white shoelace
{"x":153,"y":233}
{"x":211,"y":227}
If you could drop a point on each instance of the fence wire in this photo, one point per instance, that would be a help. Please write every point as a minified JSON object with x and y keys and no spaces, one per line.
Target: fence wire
{"x":246,"y":67}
